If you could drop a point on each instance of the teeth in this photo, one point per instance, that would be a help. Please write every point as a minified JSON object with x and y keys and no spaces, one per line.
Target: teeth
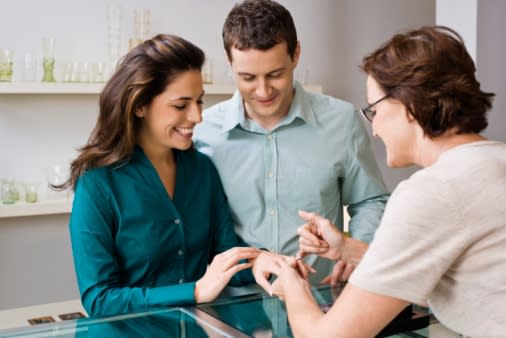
{"x":185,"y":130}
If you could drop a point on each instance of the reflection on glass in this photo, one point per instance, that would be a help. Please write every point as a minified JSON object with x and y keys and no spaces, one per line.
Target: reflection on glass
{"x":173,"y":322}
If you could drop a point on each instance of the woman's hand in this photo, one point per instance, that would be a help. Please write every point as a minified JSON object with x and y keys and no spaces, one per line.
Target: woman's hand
{"x":268,"y":263}
{"x":223,"y":267}
{"x":319,"y":236}
{"x":288,"y":278}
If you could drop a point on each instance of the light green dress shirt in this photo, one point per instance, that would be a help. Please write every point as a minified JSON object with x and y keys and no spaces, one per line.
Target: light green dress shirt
{"x":318,"y":158}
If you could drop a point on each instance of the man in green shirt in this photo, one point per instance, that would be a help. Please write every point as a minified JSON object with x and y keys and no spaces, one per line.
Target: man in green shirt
{"x":280,"y":149}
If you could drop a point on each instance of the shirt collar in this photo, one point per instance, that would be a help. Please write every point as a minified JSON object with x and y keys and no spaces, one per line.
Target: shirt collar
{"x":299,"y":108}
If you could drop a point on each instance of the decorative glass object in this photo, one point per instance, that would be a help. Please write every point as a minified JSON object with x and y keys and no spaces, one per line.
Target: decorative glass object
{"x":31,"y":192}
{"x":48,"y":59}
{"x":10,"y":194}
{"x":6,"y":57}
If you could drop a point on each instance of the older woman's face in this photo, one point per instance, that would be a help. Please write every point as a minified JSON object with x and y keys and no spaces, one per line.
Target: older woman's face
{"x":393,"y":126}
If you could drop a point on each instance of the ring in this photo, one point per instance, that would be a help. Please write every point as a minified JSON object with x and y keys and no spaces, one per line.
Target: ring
{"x":298,"y":257}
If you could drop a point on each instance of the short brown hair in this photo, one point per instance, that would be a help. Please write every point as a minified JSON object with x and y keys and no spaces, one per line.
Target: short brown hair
{"x":430,"y":71}
{"x":259,"y":24}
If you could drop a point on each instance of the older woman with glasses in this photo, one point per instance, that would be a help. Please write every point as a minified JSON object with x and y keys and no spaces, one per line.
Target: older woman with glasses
{"x":442,"y":238}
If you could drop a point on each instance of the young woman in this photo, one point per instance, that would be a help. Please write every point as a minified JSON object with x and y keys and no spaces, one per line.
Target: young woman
{"x":149,"y":211}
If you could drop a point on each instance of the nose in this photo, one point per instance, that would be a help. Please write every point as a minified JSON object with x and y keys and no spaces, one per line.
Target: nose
{"x":263,"y":88}
{"x":195,"y":114}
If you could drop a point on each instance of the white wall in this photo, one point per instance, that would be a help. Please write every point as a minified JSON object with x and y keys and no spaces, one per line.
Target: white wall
{"x":491,"y":48}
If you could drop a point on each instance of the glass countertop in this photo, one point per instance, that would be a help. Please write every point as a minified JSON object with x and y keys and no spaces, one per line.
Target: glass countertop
{"x":250,"y":315}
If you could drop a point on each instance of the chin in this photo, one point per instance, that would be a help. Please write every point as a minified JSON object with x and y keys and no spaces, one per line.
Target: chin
{"x":392,"y":163}
{"x":183,"y":146}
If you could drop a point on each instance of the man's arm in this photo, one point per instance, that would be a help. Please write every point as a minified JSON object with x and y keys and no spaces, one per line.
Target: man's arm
{"x":363,"y":189}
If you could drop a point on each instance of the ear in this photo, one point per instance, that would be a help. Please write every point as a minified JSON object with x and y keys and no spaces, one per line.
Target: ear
{"x":409,"y":115}
{"x":296,"y":55}
{"x":141,"y":112}
{"x":229,"y":72}
{"x":228,"y":60}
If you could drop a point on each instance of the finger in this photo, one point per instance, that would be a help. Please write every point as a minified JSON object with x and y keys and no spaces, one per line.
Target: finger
{"x":314,"y":218}
{"x":326,"y":280}
{"x":236,"y":268}
{"x":302,"y":269}
{"x":337,"y":272}
{"x":312,"y":244}
{"x":313,"y":249}
{"x":306,"y":216}
{"x":238,"y":250}
{"x":309,"y":267}
{"x":240,"y":255}
{"x":309,"y":238}
{"x":261,"y":280}
{"x":347,"y":272}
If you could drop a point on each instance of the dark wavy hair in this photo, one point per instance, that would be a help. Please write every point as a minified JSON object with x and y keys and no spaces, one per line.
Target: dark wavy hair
{"x":258,"y":24}
{"x":430,"y":71}
{"x":141,"y":75}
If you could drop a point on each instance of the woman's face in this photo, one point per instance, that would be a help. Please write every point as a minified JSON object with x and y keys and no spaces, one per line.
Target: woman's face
{"x":168,"y":121}
{"x":393,"y":125}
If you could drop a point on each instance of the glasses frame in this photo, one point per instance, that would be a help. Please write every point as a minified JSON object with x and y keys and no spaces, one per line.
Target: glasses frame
{"x":368,"y":112}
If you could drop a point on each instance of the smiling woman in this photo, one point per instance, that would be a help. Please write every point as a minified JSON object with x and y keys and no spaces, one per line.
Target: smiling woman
{"x":441,"y":239}
{"x":149,"y":212}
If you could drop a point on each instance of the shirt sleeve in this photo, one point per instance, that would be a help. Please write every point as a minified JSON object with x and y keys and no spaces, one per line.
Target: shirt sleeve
{"x":415,"y":245}
{"x":363,"y":189}
{"x":225,"y":236}
{"x":92,"y":228}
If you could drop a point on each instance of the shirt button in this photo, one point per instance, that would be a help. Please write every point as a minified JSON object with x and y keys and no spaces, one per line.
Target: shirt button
{"x":272,"y":212}
{"x":269,"y":137}
{"x":181,"y":280}
{"x":177,"y":221}
{"x":270,"y":175}
{"x":180,"y":252}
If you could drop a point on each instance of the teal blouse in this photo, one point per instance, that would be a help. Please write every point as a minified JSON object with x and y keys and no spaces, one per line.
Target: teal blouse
{"x":134,"y":247}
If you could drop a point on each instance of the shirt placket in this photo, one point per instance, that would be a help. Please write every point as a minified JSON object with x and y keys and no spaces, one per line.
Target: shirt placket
{"x":180,"y":253}
{"x":271,"y":188}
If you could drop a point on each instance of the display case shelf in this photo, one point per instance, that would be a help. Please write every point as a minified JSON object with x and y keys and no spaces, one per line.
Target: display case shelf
{"x":43,"y":207}
{"x":96,"y":88}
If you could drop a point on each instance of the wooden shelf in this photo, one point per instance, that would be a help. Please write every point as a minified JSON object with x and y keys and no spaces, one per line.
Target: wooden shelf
{"x":44,"y":207}
{"x":96,"y":88}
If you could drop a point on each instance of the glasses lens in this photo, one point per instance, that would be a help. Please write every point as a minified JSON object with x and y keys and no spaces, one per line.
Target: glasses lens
{"x":368,"y":113}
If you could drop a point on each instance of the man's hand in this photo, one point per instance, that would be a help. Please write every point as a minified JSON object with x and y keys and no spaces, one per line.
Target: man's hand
{"x":340,"y":273}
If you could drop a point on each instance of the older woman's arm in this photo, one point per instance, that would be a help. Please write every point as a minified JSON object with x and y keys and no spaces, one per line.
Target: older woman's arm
{"x":356,"y":313}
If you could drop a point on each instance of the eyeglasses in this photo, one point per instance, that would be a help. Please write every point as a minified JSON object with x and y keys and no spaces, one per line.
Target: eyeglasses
{"x":368,"y":112}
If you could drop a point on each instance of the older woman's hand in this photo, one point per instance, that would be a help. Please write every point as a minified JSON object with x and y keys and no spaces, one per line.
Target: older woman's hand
{"x":288,"y":278}
{"x":267,"y":263}
{"x":319,"y":236}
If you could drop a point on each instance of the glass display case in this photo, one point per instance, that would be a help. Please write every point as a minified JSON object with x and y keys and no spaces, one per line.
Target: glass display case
{"x":250,"y":315}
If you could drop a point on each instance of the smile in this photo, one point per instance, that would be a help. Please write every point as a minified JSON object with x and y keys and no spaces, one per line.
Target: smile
{"x":266,"y":101}
{"x":184,"y":131}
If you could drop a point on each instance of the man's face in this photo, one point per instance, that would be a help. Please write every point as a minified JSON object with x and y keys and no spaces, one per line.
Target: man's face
{"x":265,"y":81}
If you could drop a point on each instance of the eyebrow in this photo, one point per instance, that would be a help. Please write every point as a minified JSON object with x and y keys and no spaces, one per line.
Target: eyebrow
{"x":187,"y":98}
{"x":272,"y":71}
